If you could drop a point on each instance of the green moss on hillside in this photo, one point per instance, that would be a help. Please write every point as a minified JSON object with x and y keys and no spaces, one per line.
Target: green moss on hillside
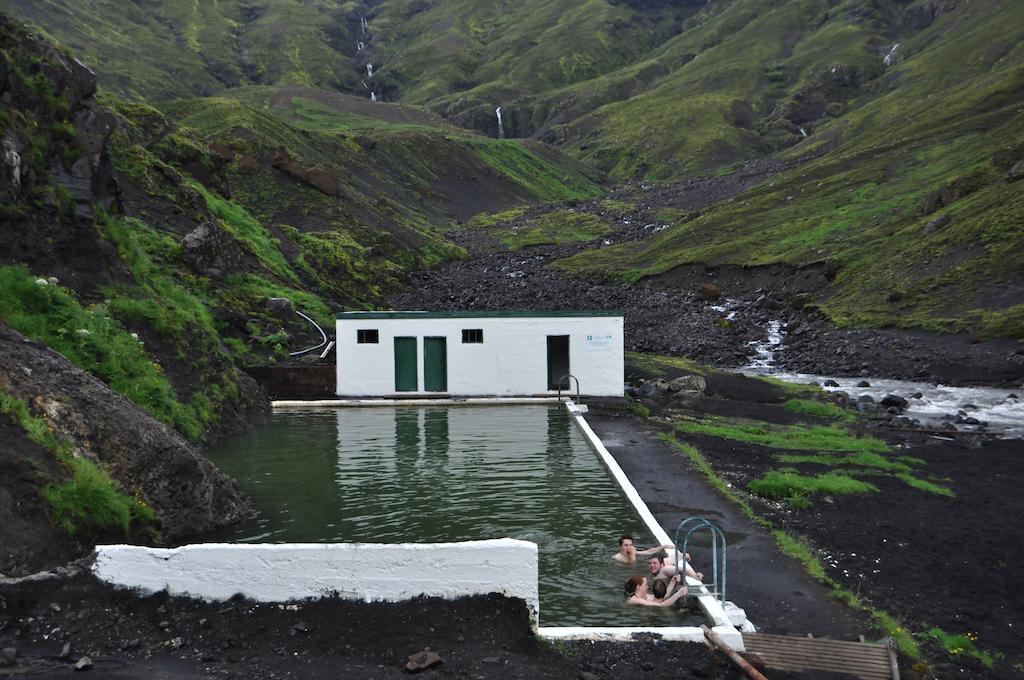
{"x":92,"y":339}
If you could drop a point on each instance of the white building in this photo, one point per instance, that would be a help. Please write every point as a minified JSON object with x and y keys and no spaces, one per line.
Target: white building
{"x":461,"y":354}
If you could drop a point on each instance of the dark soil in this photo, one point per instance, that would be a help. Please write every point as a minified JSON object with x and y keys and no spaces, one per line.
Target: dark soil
{"x":169,"y":637}
{"x":665,"y":314}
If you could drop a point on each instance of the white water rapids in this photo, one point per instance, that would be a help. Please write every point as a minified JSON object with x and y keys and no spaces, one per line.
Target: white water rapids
{"x":369,"y":70}
{"x":937,"y":405}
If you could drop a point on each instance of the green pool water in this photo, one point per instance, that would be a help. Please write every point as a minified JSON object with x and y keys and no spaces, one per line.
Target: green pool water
{"x":435,"y":474}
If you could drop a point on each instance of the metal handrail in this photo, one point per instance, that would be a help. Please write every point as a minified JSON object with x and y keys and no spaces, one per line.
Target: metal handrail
{"x":704,"y":523}
{"x":569,"y":385}
{"x":322,"y":334}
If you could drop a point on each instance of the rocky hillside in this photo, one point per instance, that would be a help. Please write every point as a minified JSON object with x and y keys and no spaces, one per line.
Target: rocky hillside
{"x":899,"y":123}
{"x":147,"y":257}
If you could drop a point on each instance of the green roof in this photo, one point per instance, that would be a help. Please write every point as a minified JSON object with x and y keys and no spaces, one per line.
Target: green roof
{"x":523,"y":314}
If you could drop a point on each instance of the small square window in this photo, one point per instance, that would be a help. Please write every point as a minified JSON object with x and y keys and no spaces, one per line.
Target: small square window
{"x":367,"y":336}
{"x":472,"y":335}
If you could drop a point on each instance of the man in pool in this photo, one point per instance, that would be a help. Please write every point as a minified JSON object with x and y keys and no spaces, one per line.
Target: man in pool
{"x":659,"y":569}
{"x":627,"y":550}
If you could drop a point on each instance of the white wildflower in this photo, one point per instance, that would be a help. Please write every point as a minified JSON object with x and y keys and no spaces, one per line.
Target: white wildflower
{"x":135,"y":336}
{"x":53,"y":280}
{"x":83,"y":332}
{"x":42,"y":282}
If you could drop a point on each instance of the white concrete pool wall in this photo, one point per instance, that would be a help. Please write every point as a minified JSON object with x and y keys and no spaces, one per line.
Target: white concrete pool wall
{"x":298,"y":571}
{"x":709,"y":604}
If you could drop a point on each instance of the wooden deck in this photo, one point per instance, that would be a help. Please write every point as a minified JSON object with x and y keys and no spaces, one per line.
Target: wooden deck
{"x":869,"y":661}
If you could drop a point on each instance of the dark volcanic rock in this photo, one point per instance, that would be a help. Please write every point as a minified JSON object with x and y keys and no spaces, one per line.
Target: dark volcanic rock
{"x":213,"y":252}
{"x":1016,"y":172}
{"x":936,"y":224}
{"x":143,"y":455}
{"x":893,"y":400}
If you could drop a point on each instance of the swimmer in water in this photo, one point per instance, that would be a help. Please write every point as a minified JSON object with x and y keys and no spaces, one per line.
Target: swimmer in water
{"x":637,"y":592}
{"x":659,"y":569}
{"x":627,"y":553}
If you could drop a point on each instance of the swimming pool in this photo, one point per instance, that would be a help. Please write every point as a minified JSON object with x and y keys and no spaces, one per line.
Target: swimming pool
{"x":438,"y":474}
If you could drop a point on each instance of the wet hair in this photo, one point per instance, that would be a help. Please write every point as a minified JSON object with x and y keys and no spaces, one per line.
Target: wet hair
{"x":632,"y":583}
{"x":660,"y":588}
{"x":659,"y":556}
{"x":625,"y":537}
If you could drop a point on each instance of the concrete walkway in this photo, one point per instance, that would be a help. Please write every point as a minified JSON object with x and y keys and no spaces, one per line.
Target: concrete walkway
{"x":774,"y":589}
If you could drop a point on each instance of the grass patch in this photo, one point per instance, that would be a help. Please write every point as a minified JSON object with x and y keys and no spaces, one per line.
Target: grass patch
{"x":818,"y":409}
{"x":870,"y":460}
{"x":813,"y":438}
{"x":561,"y":226}
{"x":784,"y":485}
{"x":90,"y":499}
{"x":542,"y":179}
{"x":655,"y":363}
{"x":924,"y":485}
{"x":957,"y":644}
{"x":792,"y":388}
{"x":92,"y":340}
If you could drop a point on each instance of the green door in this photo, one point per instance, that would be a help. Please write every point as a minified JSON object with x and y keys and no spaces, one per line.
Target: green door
{"x":435,"y":364}
{"x":405,"y":365}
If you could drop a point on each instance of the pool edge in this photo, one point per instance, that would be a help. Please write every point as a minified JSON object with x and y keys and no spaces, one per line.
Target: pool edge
{"x":712,"y":609}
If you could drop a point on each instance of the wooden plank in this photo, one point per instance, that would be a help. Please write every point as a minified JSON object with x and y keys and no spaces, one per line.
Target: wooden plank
{"x":868,"y":661}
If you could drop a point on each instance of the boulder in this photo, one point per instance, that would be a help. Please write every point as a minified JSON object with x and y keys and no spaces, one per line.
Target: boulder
{"x":646,"y":390}
{"x":282,"y":308}
{"x":10,"y":164}
{"x":421,"y":661}
{"x":145,"y":457}
{"x":830,"y":383}
{"x":709,"y":292}
{"x":213,"y":252}
{"x":936,"y":224}
{"x":894,"y":401}
{"x":695,"y":384}
{"x":1016,"y":172}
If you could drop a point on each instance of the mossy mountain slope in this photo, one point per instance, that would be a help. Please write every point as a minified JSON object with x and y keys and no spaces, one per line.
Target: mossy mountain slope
{"x":909,"y":199}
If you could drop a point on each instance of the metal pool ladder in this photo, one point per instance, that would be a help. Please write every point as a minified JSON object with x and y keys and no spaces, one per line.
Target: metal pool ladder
{"x":568,"y":385}
{"x":717,"y":587}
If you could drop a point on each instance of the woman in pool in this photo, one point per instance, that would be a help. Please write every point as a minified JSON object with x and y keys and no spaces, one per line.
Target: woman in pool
{"x":637,"y":592}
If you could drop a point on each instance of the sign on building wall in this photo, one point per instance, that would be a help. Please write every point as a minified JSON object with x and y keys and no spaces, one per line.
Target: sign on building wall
{"x":599,"y":343}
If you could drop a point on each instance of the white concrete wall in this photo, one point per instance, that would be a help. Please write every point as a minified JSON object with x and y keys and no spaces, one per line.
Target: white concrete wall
{"x":367,"y":571}
{"x":511,"y":361}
